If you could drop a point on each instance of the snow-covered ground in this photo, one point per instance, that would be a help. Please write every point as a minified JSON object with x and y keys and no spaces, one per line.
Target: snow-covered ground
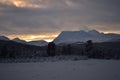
{"x":62,"y":70}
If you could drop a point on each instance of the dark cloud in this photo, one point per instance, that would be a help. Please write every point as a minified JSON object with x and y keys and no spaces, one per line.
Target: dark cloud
{"x":58,"y":15}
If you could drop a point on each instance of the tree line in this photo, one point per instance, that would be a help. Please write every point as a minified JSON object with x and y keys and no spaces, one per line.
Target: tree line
{"x":106,"y":50}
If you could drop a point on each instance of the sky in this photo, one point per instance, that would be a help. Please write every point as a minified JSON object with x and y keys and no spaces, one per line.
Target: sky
{"x":45,"y":19}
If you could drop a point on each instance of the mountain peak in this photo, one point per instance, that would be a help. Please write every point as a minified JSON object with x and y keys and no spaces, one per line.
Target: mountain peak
{"x":19,"y":40}
{"x":4,"y":38}
{"x":94,"y":31}
{"x":16,"y":39}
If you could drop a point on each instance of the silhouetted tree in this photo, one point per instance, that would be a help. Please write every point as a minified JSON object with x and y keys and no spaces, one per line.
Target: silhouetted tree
{"x":51,"y":49}
{"x":66,"y":50}
{"x":69,"y":49}
{"x":12,"y":53}
{"x":89,"y":47}
{"x":4,"y":52}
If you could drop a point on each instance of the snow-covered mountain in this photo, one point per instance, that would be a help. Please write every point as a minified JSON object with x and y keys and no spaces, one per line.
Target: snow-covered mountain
{"x":35,"y":43}
{"x":4,"y":38}
{"x":19,"y":40}
{"x":38,"y":43}
{"x":83,"y":36}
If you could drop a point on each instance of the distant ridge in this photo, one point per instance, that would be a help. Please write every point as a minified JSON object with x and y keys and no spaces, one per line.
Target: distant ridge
{"x":38,"y":43}
{"x":19,"y":40}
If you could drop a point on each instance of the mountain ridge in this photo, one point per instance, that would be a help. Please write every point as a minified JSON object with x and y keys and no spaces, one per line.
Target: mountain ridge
{"x":18,"y":40}
{"x":72,"y":37}
{"x":38,"y":43}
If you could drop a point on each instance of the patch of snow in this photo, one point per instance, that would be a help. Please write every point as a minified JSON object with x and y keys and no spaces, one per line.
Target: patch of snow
{"x":62,"y":70}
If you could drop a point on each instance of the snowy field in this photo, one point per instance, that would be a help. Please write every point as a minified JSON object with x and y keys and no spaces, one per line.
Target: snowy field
{"x":62,"y":70}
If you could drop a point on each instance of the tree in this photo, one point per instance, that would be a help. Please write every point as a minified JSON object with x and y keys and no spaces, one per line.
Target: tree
{"x":89,"y":47}
{"x":66,"y":50}
{"x":4,"y":52}
{"x":12,"y":52}
{"x":51,"y":49}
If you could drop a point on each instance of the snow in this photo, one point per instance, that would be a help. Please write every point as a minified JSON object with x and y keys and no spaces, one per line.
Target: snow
{"x":45,"y":59}
{"x":62,"y":70}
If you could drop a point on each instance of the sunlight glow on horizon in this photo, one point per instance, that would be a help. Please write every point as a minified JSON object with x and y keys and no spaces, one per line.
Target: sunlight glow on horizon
{"x":28,"y":38}
{"x":110,"y":32}
{"x":22,"y":3}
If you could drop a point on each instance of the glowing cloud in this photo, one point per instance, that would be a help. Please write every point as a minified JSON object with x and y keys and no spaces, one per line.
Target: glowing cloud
{"x":70,"y":3}
{"x":24,"y":3}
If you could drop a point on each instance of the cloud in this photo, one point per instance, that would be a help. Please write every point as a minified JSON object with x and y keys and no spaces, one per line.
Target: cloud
{"x":47,"y":16}
{"x":25,"y":3}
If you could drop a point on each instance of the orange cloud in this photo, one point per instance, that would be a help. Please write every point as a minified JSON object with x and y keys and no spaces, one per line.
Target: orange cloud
{"x":24,"y":3}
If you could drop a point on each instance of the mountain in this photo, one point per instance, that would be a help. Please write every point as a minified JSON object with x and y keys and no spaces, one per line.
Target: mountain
{"x":83,"y":36}
{"x":4,"y":38}
{"x":38,"y":43}
{"x":19,"y":40}
{"x":35,"y":43}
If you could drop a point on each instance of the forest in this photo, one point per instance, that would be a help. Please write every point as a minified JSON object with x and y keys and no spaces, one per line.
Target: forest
{"x":104,"y":50}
